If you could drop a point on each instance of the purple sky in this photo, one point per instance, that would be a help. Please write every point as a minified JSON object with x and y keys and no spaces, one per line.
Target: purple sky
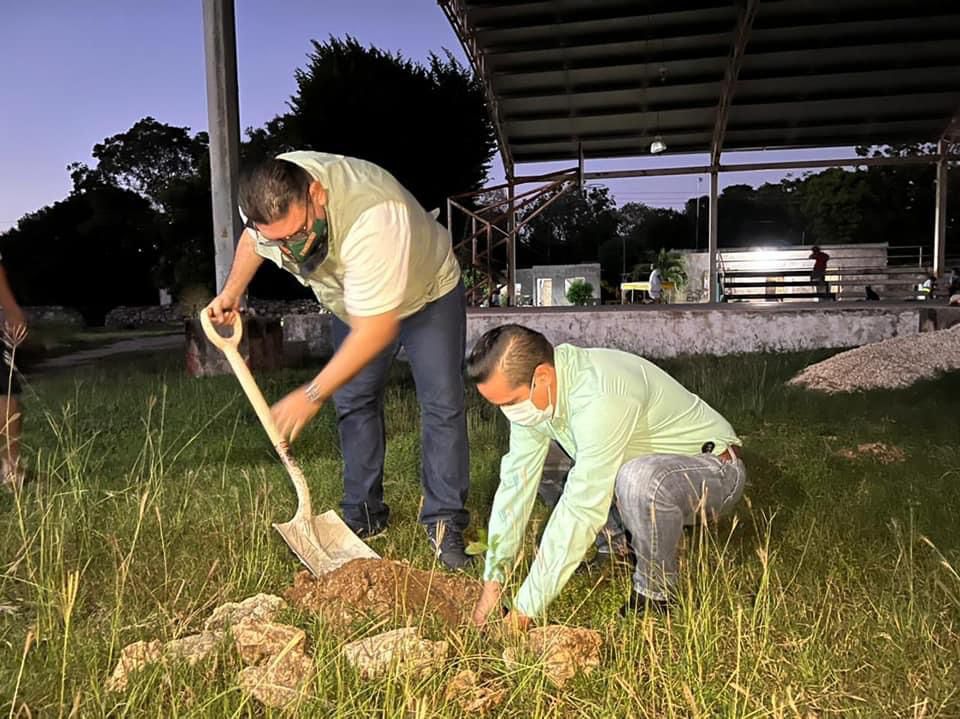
{"x":77,"y":72}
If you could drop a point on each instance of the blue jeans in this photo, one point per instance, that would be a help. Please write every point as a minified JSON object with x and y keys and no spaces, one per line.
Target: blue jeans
{"x":434,"y":340}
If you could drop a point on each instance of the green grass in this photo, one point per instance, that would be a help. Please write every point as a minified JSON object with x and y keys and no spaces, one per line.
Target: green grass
{"x":832,"y":592}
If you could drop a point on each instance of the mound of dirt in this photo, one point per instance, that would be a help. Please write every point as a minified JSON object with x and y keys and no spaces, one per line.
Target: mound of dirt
{"x":381,"y":589}
{"x":890,"y":364}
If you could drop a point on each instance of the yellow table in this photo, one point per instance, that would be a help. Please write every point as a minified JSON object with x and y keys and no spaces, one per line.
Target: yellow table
{"x":640,"y":286}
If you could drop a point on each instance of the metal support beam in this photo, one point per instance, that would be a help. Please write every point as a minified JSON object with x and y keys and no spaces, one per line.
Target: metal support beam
{"x":712,"y":286}
{"x":940,"y":213}
{"x":457,"y":15}
{"x":512,"y":242}
{"x":220,"y":46}
{"x":747,"y":12}
{"x":760,"y":166}
{"x":580,"y":166}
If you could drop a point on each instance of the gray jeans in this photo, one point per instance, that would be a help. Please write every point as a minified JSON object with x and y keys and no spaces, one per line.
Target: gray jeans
{"x":658,"y":495}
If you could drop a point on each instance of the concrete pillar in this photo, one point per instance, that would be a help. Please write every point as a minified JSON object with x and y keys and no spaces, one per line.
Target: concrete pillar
{"x":940,"y":214}
{"x":712,"y":236}
{"x":220,"y":45}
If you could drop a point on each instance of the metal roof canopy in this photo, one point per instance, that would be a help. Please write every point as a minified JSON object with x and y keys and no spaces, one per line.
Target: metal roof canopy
{"x":573,"y":79}
{"x":580,"y":79}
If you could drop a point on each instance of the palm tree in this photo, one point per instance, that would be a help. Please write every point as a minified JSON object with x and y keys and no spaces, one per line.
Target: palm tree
{"x":671,"y":266}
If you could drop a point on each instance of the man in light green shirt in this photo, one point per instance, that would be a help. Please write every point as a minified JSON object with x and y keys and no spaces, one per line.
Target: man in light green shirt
{"x":385,"y":269}
{"x":637,"y":437}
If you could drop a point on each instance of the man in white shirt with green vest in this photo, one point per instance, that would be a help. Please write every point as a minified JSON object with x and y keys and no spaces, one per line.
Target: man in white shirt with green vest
{"x":637,"y":437}
{"x":384,"y":267}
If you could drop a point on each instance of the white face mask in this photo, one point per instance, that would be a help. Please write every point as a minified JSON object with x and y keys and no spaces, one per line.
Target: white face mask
{"x":526,"y":413}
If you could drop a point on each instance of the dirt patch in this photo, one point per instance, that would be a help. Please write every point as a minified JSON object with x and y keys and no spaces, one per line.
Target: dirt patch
{"x":890,"y":364}
{"x":883,"y":453}
{"x":381,"y":589}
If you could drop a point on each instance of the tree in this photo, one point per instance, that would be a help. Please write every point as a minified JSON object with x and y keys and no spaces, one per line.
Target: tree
{"x":671,"y":265}
{"x":569,"y":227}
{"x":169,"y":168}
{"x":833,"y":205}
{"x":427,"y":125}
{"x":580,"y":293}
{"x":147,"y":158}
{"x":92,"y":251}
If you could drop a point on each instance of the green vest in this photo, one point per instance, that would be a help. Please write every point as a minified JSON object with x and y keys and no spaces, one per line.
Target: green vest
{"x":354,"y":186}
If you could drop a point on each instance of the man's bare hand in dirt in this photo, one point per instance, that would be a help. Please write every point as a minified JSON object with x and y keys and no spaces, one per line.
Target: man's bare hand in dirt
{"x":224,"y":308}
{"x":292,"y":413}
{"x":489,"y":600}
{"x":516,"y":623}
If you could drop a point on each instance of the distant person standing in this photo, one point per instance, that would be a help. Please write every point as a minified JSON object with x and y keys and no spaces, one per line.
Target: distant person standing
{"x":656,"y":286}
{"x":818,"y":276}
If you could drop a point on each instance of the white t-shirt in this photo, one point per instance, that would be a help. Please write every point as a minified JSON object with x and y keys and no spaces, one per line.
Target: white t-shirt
{"x":656,"y":284}
{"x":375,"y":256}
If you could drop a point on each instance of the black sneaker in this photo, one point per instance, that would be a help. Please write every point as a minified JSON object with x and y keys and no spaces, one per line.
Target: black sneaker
{"x":447,"y":544}
{"x":638,"y":605}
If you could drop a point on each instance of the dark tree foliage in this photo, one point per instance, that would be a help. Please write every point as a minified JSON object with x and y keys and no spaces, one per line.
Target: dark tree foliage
{"x":92,"y":251}
{"x":427,"y":125}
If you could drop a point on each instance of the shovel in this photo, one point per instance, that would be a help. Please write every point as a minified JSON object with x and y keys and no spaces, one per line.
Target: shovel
{"x":322,"y":543}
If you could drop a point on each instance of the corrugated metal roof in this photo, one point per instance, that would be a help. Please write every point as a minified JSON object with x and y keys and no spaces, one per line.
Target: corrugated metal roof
{"x":611,"y":75}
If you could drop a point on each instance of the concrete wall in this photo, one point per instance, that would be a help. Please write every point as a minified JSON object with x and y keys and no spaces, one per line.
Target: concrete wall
{"x":658,"y":331}
{"x":308,"y":335}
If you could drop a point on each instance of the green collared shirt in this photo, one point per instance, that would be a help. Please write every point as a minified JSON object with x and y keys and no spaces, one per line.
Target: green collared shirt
{"x":611,"y":407}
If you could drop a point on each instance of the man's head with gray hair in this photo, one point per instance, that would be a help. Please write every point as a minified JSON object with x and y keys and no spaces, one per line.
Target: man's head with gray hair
{"x":270,"y":189}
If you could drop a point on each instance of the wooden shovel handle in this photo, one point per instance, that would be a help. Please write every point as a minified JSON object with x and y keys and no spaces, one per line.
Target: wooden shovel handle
{"x":221,"y":342}
{"x":229,"y":347}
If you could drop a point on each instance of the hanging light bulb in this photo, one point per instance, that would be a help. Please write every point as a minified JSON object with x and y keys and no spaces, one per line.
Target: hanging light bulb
{"x":657,"y":146}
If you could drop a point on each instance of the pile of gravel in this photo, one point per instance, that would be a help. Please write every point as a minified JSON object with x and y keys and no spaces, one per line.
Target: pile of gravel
{"x":890,"y":364}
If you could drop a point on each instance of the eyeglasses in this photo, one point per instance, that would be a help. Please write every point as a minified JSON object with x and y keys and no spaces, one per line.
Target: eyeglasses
{"x":301,"y":235}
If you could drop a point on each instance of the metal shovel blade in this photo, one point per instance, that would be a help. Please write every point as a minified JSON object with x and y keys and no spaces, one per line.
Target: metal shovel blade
{"x":323,"y":543}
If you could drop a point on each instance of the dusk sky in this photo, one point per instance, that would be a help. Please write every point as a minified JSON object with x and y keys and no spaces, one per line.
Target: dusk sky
{"x":75,"y":73}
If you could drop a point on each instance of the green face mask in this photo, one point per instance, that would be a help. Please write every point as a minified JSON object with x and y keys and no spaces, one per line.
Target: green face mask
{"x":311,"y":248}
